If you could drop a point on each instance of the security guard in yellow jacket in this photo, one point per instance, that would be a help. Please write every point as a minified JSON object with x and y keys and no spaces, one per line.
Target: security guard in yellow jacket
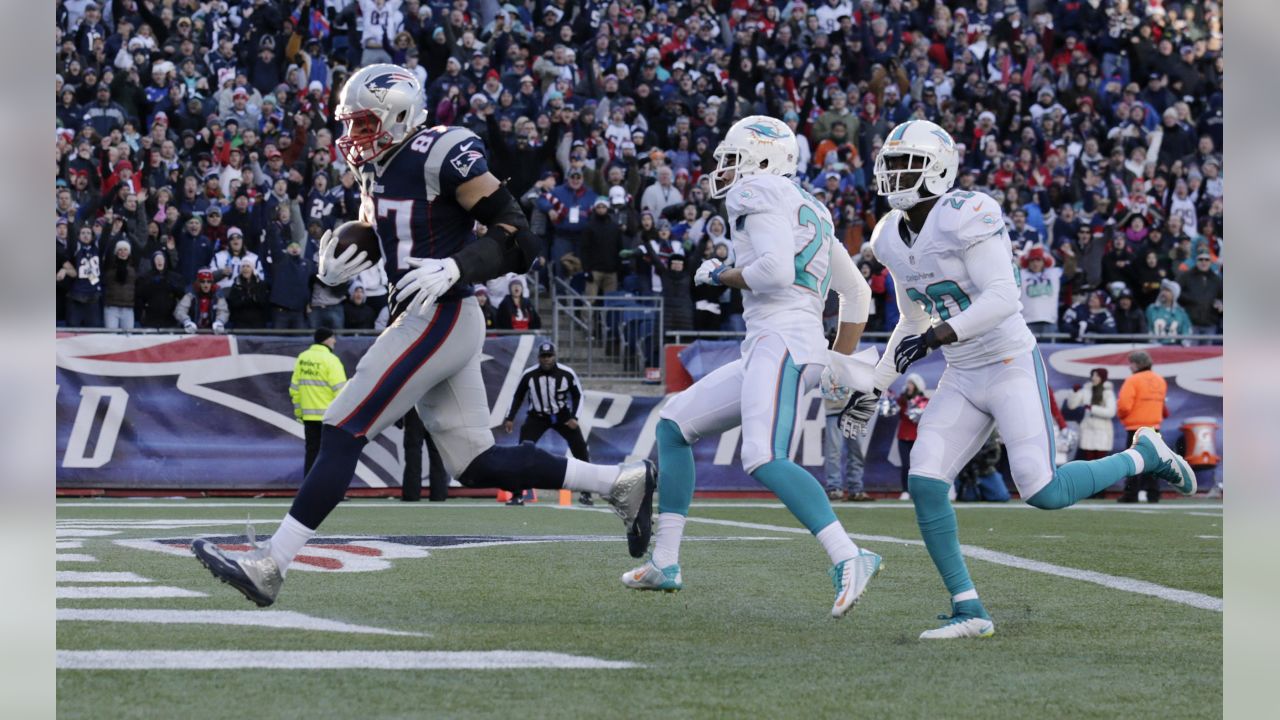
{"x":318,"y":375}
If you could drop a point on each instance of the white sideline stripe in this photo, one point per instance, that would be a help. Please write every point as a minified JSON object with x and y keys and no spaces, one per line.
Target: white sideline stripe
{"x":74,"y":557}
{"x":1206,"y":514}
{"x":79,"y":532}
{"x":1116,"y":582}
{"x":1209,"y":537}
{"x":107,"y":592}
{"x":286,"y":619}
{"x":69,"y":544}
{"x":196,"y":504}
{"x":76,"y":576}
{"x":326,"y":660}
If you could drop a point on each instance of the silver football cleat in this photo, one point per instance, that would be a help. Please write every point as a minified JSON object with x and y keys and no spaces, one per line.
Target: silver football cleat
{"x":253,"y":572}
{"x":632,"y":500}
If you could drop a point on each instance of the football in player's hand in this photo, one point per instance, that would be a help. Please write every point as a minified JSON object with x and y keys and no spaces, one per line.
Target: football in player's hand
{"x":360,"y":234}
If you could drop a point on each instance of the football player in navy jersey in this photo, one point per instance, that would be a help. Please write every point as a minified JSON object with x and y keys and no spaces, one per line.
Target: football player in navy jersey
{"x":425,"y":188}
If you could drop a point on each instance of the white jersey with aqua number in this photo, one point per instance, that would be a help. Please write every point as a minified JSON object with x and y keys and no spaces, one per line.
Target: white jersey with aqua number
{"x":793,"y":310}
{"x":932,"y":274}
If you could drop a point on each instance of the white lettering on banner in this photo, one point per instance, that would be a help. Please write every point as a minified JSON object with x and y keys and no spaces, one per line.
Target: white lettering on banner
{"x":812,"y":429}
{"x":648,"y":433}
{"x":591,"y":402}
{"x":90,"y":397}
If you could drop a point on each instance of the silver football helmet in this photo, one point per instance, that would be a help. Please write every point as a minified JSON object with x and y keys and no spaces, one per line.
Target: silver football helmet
{"x":379,"y":106}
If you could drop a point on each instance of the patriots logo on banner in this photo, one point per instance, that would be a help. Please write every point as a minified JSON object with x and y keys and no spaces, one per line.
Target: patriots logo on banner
{"x":463,"y":161}
{"x":380,"y":84}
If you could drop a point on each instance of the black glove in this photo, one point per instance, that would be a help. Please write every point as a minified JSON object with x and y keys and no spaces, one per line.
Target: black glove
{"x":856,"y":414}
{"x":913,"y":348}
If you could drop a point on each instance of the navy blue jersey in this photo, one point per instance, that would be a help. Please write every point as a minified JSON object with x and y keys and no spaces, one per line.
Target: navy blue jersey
{"x":411,"y":197}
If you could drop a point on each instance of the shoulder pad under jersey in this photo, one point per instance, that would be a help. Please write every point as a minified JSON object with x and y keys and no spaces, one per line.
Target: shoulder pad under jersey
{"x":967,"y":218}
{"x":760,"y":193}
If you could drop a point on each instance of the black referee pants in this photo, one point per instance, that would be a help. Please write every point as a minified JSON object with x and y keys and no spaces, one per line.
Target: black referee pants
{"x":311,"y":435}
{"x":537,"y":424}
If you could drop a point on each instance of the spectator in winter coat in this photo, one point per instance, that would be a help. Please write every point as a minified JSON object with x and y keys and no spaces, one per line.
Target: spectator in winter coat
{"x":1141,"y":404}
{"x":911,"y":404}
{"x":1098,"y":400}
{"x":226,"y":263}
{"x":1148,"y":276}
{"x":486,"y":308}
{"x":601,"y":243}
{"x":157,"y":292}
{"x":358,"y":314}
{"x":119,"y":281}
{"x":290,"y":277}
{"x":568,"y":209}
{"x":661,"y":194}
{"x":202,"y":308}
{"x":1082,"y":259}
{"x":1165,"y":316}
{"x":1130,"y":319}
{"x":1091,"y":317}
{"x":515,"y":312}
{"x":1118,"y":264}
{"x":1041,"y":284}
{"x":1202,"y":295}
{"x":677,"y":294}
{"x":84,"y":306}
{"x":195,"y":251}
{"x":248,"y":299}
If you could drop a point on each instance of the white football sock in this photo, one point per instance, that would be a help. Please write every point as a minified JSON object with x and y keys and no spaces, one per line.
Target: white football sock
{"x":288,"y":540}
{"x":666,"y":539}
{"x":966,"y":595}
{"x":1138,"y":463}
{"x":837,"y":543}
{"x":584,"y":476}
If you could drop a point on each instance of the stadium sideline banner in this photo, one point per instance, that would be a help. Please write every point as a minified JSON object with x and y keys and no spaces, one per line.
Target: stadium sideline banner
{"x":210,"y":412}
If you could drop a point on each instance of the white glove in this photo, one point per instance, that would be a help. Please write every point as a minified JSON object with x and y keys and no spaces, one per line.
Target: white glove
{"x":218,"y":328}
{"x":429,"y":279}
{"x":849,"y":373}
{"x":339,"y":269}
{"x":704,"y":274}
{"x":189,"y":326}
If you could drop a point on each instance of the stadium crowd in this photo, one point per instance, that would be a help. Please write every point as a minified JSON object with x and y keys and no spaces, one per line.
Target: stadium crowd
{"x":196,"y":164}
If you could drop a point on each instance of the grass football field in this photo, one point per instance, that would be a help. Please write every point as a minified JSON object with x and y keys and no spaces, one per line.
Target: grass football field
{"x":473,"y":609}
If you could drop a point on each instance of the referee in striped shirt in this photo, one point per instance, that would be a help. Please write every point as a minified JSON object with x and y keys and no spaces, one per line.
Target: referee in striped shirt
{"x":554,"y":396}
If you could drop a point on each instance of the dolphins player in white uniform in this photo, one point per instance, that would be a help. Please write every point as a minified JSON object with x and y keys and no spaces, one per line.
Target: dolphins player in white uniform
{"x":786,"y":258}
{"x":955,"y":279}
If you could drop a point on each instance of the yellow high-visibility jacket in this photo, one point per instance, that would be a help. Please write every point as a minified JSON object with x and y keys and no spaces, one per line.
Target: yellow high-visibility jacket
{"x":318,"y":375}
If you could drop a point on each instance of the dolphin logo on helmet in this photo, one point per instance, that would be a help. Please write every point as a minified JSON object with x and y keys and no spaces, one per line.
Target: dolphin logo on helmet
{"x":755,"y":145}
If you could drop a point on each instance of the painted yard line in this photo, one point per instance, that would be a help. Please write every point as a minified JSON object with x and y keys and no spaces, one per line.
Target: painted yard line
{"x":69,"y":544}
{"x":1206,"y":514}
{"x":466,"y":504}
{"x":74,"y":557}
{"x":75,"y":576}
{"x":78,"y":532}
{"x":168,"y":524}
{"x":330,"y":660}
{"x":283,"y":619}
{"x":1116,"y":582}
{"x":108,"y":592}
{"x":1209,"y":537}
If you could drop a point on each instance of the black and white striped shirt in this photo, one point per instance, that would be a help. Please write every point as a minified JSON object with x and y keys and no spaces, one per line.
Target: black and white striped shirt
{"x":555,"y":393}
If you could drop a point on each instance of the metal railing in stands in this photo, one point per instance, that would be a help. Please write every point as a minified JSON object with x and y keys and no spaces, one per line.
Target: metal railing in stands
{"x":609,"y":338}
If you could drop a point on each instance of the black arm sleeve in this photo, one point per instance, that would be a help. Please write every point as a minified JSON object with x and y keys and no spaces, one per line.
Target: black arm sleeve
{"x":498,"y":251}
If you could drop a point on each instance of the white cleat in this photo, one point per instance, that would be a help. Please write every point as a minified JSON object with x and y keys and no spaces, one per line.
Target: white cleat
{"x":961,"y":628}
{"x":650,"y":577}
{"x":1173,"y":468}
{"x":850,"y":578}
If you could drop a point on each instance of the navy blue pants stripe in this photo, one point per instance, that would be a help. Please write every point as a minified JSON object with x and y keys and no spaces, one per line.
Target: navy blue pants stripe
{"x":404,"y":367}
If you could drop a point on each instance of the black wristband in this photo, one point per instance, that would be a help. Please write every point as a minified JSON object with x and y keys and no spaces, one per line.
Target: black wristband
{"x":931,"y":339}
